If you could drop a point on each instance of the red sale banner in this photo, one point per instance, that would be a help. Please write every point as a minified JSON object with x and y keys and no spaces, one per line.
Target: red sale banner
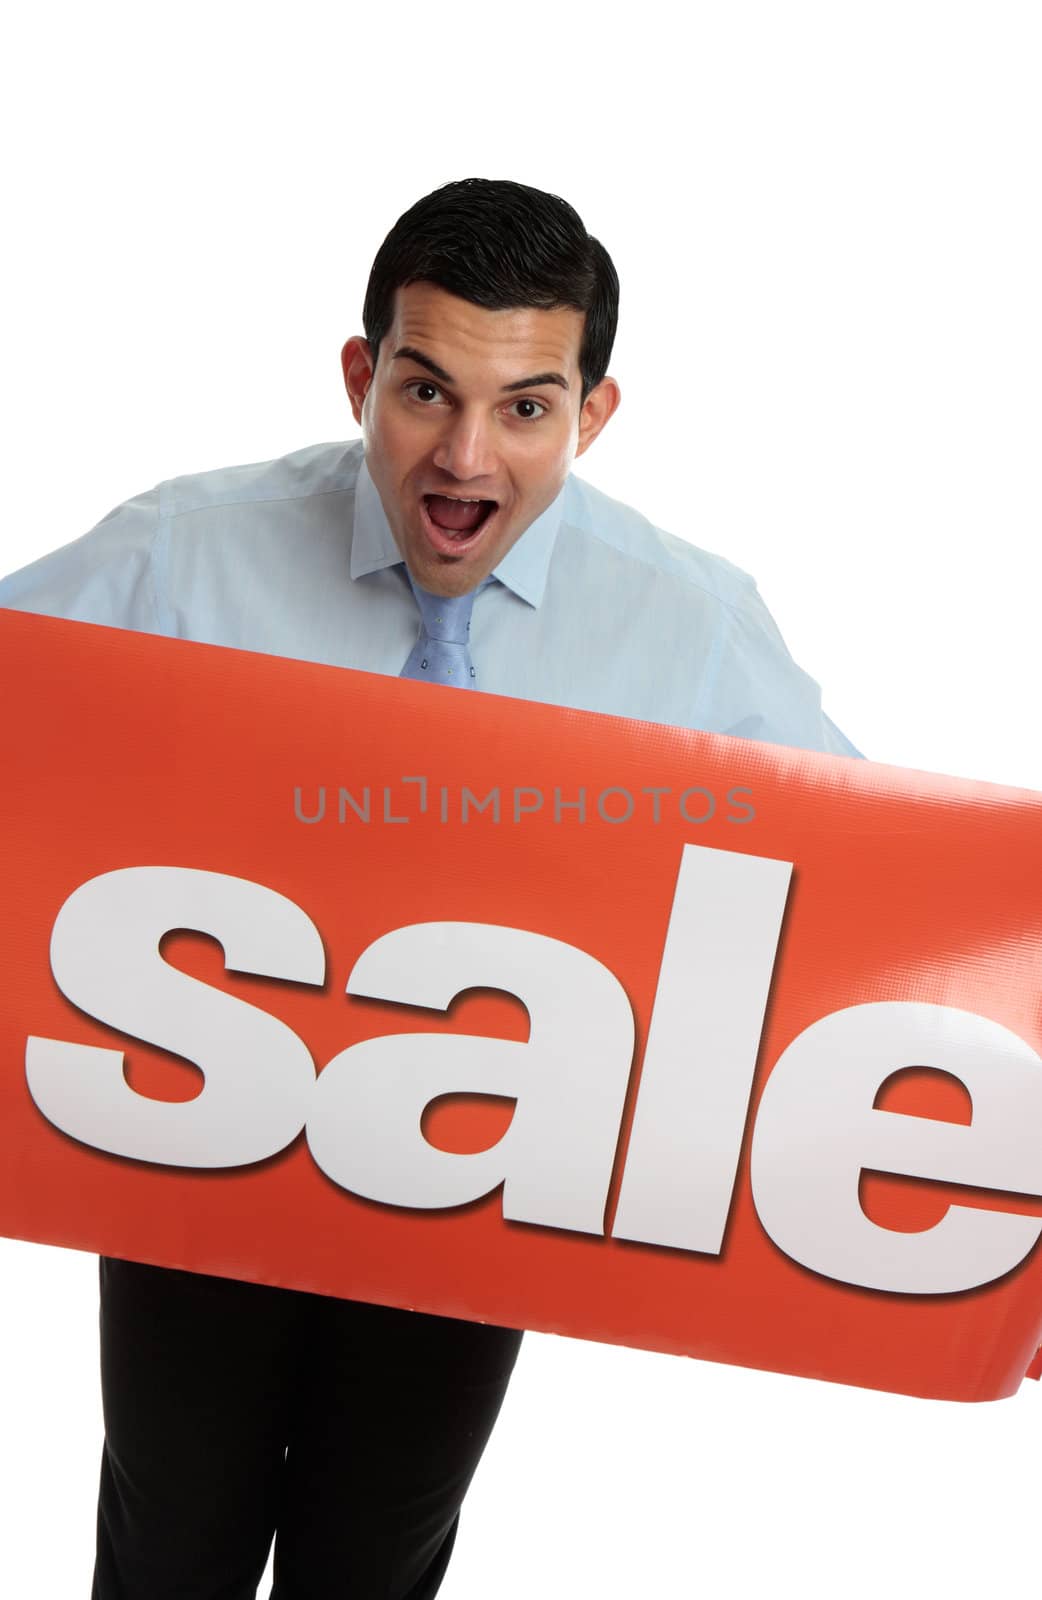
{"x":521,"y":1014}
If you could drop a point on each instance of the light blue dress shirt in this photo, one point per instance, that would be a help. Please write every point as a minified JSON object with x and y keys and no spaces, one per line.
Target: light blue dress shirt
{"x":593,"y":607}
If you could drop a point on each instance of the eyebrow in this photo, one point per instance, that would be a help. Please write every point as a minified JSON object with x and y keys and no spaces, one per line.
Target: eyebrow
{"x":406,"y":353}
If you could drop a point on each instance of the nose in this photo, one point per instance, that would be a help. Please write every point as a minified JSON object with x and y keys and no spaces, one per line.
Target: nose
{"x":466,"y":448}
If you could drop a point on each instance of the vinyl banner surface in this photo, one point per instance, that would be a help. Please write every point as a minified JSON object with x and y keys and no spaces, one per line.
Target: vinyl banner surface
{"x":520,"y":1014}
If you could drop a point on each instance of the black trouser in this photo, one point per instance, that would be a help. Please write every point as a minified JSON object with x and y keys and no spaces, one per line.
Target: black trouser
{"x":234,"y":1410}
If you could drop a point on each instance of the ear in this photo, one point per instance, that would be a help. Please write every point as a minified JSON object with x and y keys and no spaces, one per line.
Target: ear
{"x":358,"y":364}
{"x":600,"y":404}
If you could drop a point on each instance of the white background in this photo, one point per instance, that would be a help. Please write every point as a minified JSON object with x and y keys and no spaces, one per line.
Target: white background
{"x":826,"y":222}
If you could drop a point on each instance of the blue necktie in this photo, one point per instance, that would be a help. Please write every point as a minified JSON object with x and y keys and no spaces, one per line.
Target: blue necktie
{"x":440,"y":654}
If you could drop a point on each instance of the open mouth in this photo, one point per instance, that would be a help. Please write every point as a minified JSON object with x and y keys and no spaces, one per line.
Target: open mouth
{"x":453,"y":522}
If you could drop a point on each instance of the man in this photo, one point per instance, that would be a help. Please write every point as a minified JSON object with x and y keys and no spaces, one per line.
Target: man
{"x":452,"y":545}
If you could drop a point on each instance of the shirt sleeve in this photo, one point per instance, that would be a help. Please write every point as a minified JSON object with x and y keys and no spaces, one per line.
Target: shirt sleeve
{"x":110,"y":575}
{"x":836,"y":742}
{"x":769,"y":696}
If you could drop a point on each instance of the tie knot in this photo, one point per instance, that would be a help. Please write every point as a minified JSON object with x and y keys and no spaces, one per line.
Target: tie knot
{"x":446,"y":618}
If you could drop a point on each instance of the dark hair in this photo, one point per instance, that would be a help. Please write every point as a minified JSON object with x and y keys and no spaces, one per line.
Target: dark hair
{"x":499,"y":245}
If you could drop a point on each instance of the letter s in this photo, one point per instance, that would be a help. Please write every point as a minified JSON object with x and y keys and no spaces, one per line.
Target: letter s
{"x":742,"y":805}
{"x":105,"y":959}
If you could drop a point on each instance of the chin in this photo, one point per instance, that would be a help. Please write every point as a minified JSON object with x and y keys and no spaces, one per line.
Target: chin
{"x":450,"y":584}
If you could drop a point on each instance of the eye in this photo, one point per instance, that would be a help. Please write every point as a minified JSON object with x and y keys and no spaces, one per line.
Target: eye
{"x":423,"y":390}
{"x":536,"y":409}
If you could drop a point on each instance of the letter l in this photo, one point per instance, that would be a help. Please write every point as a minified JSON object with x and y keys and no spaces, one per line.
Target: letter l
{"x":703,"y":1040}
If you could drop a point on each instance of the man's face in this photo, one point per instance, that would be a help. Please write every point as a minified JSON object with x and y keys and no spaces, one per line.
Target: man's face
{"x":471,"y":420}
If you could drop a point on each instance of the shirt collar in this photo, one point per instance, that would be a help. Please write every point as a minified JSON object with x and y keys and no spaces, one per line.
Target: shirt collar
{"x":523,"y":569}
